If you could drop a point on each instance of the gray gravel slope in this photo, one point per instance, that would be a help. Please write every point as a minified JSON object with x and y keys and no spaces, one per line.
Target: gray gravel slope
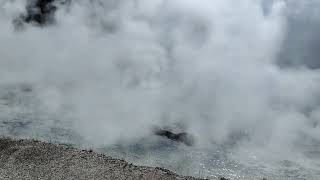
{"x":30,"y":159}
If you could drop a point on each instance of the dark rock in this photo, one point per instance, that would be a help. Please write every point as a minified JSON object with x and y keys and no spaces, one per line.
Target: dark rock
{"x":40,"y":12}
{"x":182,"y":137}
{"x":223,"y":178}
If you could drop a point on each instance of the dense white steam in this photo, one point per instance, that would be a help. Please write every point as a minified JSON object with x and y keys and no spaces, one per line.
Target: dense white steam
{"x":115,"y":69}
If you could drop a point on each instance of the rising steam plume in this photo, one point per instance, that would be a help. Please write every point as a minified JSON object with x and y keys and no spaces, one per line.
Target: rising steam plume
{"x":225,"y":71}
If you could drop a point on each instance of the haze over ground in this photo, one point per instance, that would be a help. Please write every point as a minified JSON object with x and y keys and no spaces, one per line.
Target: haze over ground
{"x":241,"y":74}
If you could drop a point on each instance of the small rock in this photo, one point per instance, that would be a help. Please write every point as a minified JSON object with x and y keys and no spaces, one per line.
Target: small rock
{"x":183,"y":137}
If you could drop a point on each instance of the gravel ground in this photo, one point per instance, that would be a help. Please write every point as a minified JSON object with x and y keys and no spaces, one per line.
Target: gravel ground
{"x":30,"y":159}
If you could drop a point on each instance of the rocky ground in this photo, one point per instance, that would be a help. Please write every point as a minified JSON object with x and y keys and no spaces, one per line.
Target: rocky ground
{"x":30,"y":159}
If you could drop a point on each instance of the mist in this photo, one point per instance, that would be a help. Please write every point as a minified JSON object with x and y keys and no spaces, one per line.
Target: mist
{"x":226,"y":71}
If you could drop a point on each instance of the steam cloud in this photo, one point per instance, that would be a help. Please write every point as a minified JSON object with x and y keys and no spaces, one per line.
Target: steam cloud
{"x":221,"y":68}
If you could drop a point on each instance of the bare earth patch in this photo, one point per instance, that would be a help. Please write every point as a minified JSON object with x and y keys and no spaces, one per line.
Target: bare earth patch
{"x":30,"y":159}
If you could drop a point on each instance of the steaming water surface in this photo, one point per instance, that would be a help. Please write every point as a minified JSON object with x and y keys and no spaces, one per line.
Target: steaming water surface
{"x":241,"y":76}
{"x":22,"y":115}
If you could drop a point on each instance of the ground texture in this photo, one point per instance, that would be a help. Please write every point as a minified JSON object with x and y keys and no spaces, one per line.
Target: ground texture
{"x":30,"y":159}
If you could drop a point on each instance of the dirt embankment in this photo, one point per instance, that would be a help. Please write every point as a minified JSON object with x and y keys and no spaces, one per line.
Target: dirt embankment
{"x":30,"y":159}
